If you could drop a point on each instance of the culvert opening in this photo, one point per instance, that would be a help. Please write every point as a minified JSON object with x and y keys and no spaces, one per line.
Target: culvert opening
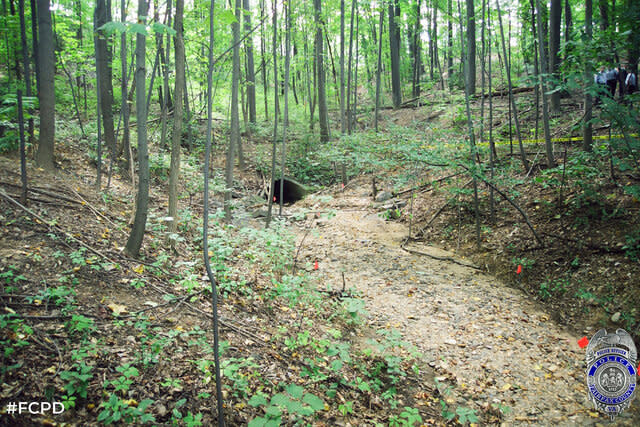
{"x":292,"y":191}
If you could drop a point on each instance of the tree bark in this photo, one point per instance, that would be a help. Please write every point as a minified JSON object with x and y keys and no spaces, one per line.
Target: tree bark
{"x":46,"y":94}
{"x":587,"y":127}
{"x":176,"y":136}
{"x":554,"y":49}
{"x":394,"y":49}
{"x":250,"y":73}
{"x":378,"y":72}
{"x":543,"y":89}
{"x":322,"y":95}
{"x":103,"y":62}
{"x":142,"y":199}
{"x":471,"y":51}
{"x":234,"y":136}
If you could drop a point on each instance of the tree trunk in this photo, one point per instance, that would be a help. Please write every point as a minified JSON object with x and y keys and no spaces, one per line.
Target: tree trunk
{"x":587,"y":128}
{"x":34,"y":40}
{"x":176,"y":136}
{"x":142,"y":200}
{"x":450,"y":42}
{"x":471,"y":51}
{"x":523,"y":155}
{"x":543,"y":89}
{"x":322,"y":95}
{"x":46,"y":94}
{"x":554,"y":49}
{"x":394,"y":48}
{"x":287,"y":63}
{"x":343,"y":123}
{"x":251,"y":74}
{"x":349,"y":73}
{"x":234,"y":136}
{"x":103,"y":62}
{"x":263,"y":64}
{"x":165,"y":82}
{"x":25,"y":62}
{"x":274,"y":45}
{"x":378,"y":72}
{"x":126,"y":140}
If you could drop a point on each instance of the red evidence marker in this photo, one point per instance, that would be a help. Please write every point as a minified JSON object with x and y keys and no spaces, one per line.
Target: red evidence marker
{"x":583,"y":342}
{"x":519,"y":269}
{"x":315,"y":265}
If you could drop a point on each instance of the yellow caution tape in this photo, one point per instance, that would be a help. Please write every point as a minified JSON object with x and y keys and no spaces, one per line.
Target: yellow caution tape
{"x":553,"y":140}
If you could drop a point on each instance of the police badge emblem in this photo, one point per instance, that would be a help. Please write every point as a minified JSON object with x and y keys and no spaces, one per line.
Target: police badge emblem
{"x":611,"y":371}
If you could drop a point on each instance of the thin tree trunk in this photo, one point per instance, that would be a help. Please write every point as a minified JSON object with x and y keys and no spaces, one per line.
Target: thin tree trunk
{"x":103,"y":62}
{"x":287,"y":63}
{"x":587,"y":127}
{"x":349,"y":74}
{"x":492,"y":147}
{"x":343,"y":123}
{"x":251,"y":75}
{"x":263,"y":64}
{"x":378,"y":70}
{"x":34,"y":40}
{"x":322,"y":96}
{"x":165,"y":83}
{"x":234,"y":137}
{"x":471,"y":47}
{"x":523,"y":155}
{"x":126,"y":140}
{"x":25,"y":64}
{"x":450,"y":42}
{"x":545,"y":104}
{"x":554,"y":49}
{"x":142,"y":200}
{"x":394,"y":48}
{"x":274,"y":17}
{"x":176,"y":136}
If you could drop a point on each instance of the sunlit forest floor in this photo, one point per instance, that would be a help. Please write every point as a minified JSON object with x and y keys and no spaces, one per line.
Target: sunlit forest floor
{"x":355,"y":307}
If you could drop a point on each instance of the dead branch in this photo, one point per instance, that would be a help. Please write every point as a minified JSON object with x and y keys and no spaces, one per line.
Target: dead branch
{"x":439,"y":258}
{"x":54,"y":227}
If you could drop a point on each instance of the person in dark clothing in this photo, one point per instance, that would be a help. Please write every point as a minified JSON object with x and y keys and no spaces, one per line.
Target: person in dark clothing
{"x":631,"y":82}
{"x":622,"y":77}
{"x":612,"y":79}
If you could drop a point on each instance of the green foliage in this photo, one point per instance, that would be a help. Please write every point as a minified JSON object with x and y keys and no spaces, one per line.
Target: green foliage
{"x":293,"y":401}
{"x":9,"y":134}
{"x":76,"y":382}
{"x":14,"y":336}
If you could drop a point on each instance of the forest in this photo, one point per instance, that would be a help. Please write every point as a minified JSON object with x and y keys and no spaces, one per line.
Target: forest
{"x":328,"y":213}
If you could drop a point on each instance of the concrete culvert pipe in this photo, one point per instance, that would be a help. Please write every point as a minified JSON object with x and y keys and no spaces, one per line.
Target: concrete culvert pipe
{"x":291,"y":192}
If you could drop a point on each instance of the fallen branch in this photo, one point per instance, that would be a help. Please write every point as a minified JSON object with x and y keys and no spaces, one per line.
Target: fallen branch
{"x":54,"y":227}
{"x":420,"y":187}
{"x":439,"y":258}
{"x":511,"y":202}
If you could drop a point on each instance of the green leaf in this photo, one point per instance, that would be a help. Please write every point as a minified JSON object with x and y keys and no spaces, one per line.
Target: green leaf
{"x":226,"y":17}
{"x":280,"y":399}
{"x":294,"y":390}
{"x":257,"y":400}
{"x":314,"y":401}
{"x":336,"y":365}
{"x":113,"y":27}
{"x":257,"y":422}
{"x":138,"y":29}
{"x":159,"y":28}
{"x":273,"y":411}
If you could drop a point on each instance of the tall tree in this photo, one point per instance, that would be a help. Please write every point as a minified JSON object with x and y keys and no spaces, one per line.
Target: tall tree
{"x":543,"y":89}
{"x":176,"y":136}
{"x":378,"y":72}
{"x":234,"y":135}
{"x":142,"y":200}
{"x":587,"y":127}
{"x":165,"y":82}
{"x":250,"y":72}
{"x":323,"y":115}
{"x":450,"y":42}
{"x":394,"y":49}
{"x":126,"y":143}
{"x":103,"y":63}
{"x":46,"y":94}
{"x":25,"y":60}
{"x":554,"y":48}
{"x":523,"y":154}
{"x":471,"y":51}
{"x":343,"y":124}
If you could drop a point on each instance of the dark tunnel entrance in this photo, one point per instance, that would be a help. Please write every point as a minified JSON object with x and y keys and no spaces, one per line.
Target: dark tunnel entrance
{"x":292,"y":191}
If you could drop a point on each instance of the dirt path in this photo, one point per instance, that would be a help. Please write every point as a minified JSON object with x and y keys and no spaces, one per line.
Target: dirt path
{"x":491,"y":342}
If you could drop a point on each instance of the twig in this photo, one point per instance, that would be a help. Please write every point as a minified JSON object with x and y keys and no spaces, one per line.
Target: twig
{"x":55,"y":227}
{"x":295,"y":259}
{"x":439,"y":258}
